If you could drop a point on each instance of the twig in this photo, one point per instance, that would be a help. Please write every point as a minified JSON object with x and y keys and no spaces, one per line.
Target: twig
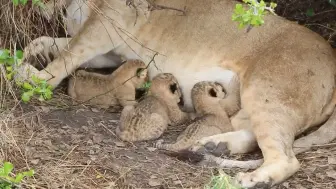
{"x":154,"y":6}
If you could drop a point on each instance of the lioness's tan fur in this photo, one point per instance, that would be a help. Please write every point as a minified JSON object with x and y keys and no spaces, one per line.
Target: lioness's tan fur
{"x":213,"y":118}
{"x":118,"y":88}
{"x":287,"y":72}
{"x":148,"y":119}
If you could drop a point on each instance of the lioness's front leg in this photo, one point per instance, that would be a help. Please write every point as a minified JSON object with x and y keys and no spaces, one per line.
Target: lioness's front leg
{"x":93,"y":40}
{"x":46,"y":47}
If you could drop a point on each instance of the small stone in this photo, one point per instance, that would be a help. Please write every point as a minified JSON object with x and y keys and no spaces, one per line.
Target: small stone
{"x":151,"y":149}
{"x":154,"y":182}
{"x":85,"y":128}
{"x":331,"y":174}
{"x":45,"y":109}
{"x":119,"y":144}
{"x":35,"y":161}
{"x":94,"y":110}
{"x":332,"y":160}
{"x":91,"y":152}
{"x":177,"y":182}
{"x":97,"y":138}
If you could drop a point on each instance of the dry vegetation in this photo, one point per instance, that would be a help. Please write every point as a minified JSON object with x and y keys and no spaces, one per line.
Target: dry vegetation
{"x":75,"y":147}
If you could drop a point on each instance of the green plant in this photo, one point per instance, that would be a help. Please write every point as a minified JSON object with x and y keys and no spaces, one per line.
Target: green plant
{"x":221,"y":181}
{"x":147,"y":85}
{"x":24,"y":2}
{"x":38,"y":87}
{"x":254,"y":15}
{"x":9,"y":179}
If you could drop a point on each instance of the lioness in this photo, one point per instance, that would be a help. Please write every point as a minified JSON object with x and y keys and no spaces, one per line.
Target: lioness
{"x":118,"y":88}
{"x":287,"y":72}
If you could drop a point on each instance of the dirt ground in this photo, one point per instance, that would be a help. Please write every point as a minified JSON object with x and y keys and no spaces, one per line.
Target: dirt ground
{"x":76,"y":147}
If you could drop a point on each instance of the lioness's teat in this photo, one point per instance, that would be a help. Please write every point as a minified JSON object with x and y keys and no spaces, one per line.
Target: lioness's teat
{"x":148,"y":119}
{"x":206,"y":97}
{"x":118,"y":88}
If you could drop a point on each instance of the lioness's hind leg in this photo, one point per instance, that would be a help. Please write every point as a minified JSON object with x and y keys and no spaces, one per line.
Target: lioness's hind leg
{"x":275,"y":141}
{"x":325,"y":134}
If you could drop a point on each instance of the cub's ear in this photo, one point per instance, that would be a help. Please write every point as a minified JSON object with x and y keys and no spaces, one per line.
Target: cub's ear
{"x":141,"y":73}
{"x":212,"y":92}
{"x":220,"y":86}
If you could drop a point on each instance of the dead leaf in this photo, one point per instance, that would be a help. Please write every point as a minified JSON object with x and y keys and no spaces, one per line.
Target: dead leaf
{"x":332,"y":160}
{"x":331,"y":174}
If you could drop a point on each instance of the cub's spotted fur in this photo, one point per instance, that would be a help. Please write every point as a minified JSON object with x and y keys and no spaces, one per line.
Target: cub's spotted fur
{"x":208,"y":98}
{"x":148,"y":119}
{"x":118,"y":88}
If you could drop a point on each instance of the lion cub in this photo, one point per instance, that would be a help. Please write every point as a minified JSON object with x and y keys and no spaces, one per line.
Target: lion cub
{"x":148,"y":119}
{"x":208,"y":99}
{"x":118,"y":88}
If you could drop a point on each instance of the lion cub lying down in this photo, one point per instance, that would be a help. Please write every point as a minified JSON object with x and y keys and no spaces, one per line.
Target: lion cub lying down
{"x":118,"y":88}
{"x":214,"y":107}
{"x":148,"y":119}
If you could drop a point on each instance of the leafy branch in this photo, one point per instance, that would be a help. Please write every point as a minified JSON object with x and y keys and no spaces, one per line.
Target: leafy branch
{"x":24,"y":2}
{"x":38,"y":87}
{"x":9,"y":179}
{"x":254,"y":15}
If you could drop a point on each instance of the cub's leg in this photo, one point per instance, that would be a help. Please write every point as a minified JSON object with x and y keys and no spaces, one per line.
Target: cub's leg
{"x":236,"y":142}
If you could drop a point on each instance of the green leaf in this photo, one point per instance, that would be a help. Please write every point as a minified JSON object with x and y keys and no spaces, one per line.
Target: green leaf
{"x":9,"y":68}
{"x":27,"y":86}
{"x":16,"y":2}
{"x":4,"y":54}
{"x":23,"y":2}
{"x":25,"y":97}
{"x":18,"y":178}
{"x":8,"y":167}
{"x":29,"y":173}
{"x":332,"y":2}
{"x":310,"y":12}
{"x":273,"y":5}
{"x":19,"y":53}
{"x":9,"y":76}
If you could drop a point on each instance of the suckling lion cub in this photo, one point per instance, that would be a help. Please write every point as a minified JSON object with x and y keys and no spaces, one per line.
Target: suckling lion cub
{"x":209,"y":99}
{"x":148,"y":119}
{"x":118,"y":88}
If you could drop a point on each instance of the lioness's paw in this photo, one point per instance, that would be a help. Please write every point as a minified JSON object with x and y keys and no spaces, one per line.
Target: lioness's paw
{"x":38,"y":53}
{"x":253,"y":180}
{"x":25,"y":73}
